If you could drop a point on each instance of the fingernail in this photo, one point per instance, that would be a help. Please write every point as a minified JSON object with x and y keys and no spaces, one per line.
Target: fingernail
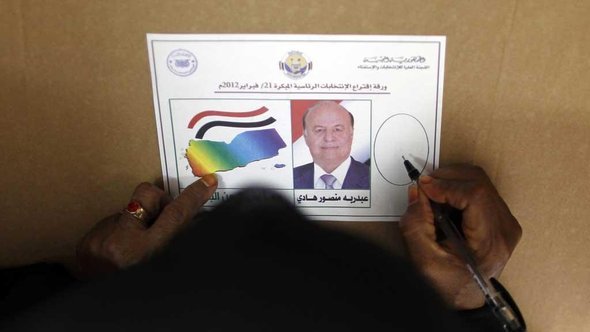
{"x":412,"y":194}
{"x":209,"y":180}
{"x":425,"y":179}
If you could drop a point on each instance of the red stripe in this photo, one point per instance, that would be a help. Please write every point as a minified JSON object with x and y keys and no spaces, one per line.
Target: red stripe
{"x":201,"y":115}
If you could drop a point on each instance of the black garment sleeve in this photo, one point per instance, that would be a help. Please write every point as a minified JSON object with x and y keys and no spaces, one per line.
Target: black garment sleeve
{"x":254,"y":264}
{"x":23,"y":287}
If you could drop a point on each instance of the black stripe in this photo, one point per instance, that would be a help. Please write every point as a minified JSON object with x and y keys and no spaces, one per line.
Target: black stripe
{"x":212,"y":124}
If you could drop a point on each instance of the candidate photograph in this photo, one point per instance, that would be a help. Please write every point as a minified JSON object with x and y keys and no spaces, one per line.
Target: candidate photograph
{"x":332,"y":151}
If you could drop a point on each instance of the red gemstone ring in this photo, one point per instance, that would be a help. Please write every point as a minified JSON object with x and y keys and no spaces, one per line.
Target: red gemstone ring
{"x":137,"y":211}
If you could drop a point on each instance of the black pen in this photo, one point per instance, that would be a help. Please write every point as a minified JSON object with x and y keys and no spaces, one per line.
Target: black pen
{"x":506,"y":312}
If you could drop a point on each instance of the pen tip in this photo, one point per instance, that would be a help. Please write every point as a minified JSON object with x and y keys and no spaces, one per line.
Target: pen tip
{"x":403,"y":158}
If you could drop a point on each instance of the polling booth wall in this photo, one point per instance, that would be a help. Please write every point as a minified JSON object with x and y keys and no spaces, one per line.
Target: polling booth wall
{"x":78,"y":129}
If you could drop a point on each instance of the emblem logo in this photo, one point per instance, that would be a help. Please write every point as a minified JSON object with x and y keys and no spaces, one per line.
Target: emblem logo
{"x":182,"y":62}
{"x":295,"y":65}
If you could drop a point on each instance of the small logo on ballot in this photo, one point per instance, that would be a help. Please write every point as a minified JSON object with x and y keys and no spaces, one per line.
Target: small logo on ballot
{"x":182,"y":62}
{"x":295,"y":65}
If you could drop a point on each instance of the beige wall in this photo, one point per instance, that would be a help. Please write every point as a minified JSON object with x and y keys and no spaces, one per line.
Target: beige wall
{"x":78,"y":133}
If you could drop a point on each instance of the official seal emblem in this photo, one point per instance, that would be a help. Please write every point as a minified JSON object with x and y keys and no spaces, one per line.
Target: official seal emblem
{"x":182,"y":62}
{"x":295,"y":65}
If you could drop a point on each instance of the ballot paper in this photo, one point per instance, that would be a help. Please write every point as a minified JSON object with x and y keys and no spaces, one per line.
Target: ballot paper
{"x":323,"y":120}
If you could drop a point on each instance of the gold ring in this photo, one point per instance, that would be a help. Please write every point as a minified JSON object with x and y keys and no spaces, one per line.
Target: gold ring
{"x":137,"y":211}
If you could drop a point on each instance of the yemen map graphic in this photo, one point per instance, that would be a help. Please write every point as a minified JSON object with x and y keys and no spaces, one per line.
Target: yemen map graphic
{"x":205,"y":156}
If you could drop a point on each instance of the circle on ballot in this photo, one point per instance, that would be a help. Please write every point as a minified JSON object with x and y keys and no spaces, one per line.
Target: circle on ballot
{"x":401,"y":135}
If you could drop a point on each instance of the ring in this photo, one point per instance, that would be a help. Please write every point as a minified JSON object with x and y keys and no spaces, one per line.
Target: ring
{"x":137,"y":211}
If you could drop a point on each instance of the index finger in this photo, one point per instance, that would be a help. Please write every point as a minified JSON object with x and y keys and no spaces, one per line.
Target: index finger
{"x":182,"y":210}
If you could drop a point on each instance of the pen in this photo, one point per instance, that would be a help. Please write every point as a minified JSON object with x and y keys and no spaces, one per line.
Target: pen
{"x":504,"y":308}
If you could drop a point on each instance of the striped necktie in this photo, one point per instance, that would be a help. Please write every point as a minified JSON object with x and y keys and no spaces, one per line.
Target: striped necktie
{"x":329,"y":180}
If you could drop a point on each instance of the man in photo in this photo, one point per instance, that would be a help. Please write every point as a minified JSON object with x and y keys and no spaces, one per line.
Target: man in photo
{"x":328,"y":130}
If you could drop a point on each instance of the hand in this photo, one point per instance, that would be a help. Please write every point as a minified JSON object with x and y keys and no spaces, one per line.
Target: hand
{"x":121,"y":240}
{"x":491,"y":231}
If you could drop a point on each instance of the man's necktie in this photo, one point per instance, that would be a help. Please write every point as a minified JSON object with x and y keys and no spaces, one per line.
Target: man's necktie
{"x":329,"y":180}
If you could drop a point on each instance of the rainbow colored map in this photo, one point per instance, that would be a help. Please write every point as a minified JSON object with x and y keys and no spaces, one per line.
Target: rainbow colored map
{"x":206,"y":157}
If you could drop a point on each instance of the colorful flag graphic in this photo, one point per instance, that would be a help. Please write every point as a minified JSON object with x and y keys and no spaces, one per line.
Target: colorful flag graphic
{"x":207,"y":156}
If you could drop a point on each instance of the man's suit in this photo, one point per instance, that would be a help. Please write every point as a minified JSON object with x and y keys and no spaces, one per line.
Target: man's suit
{"x":357,"y":177}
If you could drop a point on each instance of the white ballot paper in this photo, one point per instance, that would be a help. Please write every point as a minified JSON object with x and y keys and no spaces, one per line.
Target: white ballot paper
{"x":322,"y":119}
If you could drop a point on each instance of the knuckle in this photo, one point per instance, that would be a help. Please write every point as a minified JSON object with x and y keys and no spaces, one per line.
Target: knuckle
{"x":144,"y":186}
{"x":440,"y":187}
{"x":513,"y":232}
{"x":93,"y":247}
{"x":518,"y":230}
{"x":148,"y":191}
{"x":478,"y":190}
{"x":89,"y":245}
{"x":111,"y":249}
{"x":115,"y":253}
{"x":174,"y":213}
{"x":478,"y":170}
{"x":443,"y":184}
{"x":149,"y":196}
{"x":480,"y":175}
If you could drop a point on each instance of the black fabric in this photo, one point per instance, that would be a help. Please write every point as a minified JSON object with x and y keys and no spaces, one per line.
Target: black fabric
{"x":23,"y":287}
{"x":254,"y":264}
{"x":481,"y":319}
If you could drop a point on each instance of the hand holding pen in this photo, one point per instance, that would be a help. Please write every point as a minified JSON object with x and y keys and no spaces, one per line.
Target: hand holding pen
{"x":491,"y":232}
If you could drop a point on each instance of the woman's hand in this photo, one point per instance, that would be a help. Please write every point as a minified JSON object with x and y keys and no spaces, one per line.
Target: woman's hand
{"x":491,"y":231}
{"x":122,"y":240}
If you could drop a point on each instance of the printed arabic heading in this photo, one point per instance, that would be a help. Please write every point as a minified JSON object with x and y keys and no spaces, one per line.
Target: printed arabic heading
{"x":259,"y":86}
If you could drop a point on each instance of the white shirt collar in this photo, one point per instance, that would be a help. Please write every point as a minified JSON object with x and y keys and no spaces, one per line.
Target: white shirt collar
{"x":339,"y":173}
